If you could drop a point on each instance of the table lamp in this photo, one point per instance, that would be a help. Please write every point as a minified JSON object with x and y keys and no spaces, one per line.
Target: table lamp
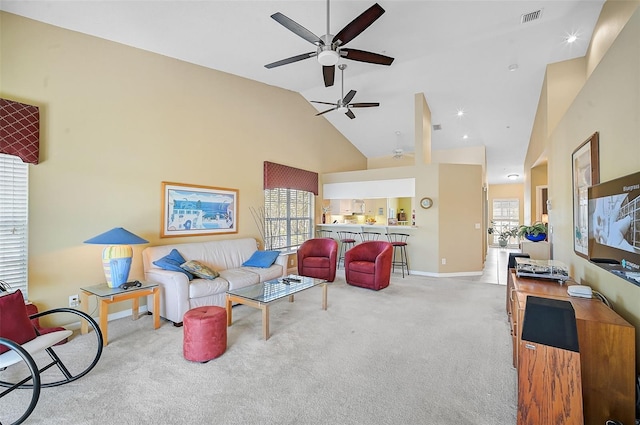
{"x":116,"y":258}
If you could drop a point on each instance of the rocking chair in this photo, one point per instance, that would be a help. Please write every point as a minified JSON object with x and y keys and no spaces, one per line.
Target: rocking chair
{"x":20,"y":341}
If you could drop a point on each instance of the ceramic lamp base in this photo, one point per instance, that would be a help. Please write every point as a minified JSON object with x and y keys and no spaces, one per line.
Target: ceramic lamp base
{"x":116,"y":261}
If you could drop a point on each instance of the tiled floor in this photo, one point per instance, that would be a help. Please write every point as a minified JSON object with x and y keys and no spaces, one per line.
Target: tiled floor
{"x":495,"y":267}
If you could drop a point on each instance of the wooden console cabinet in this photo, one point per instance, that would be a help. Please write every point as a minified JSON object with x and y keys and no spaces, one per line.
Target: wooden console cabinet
{"x":607,"y":351}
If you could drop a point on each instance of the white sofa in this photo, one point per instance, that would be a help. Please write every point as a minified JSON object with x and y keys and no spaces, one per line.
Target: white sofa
{"x":178,"y":295}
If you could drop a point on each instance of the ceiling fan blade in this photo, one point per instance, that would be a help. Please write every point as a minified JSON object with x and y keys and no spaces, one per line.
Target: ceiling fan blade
{"x":324,"y":103}
{"x":364,"y":105}
{"x":361,"y":23}
{"x":290,"y":60}
{"x":329,"y":74}
{"x":298,"y":29}
{"x":362,"y":56}
{"x":328,"y":110}
{"x":349,"y":96}
{"x":350,"y":114}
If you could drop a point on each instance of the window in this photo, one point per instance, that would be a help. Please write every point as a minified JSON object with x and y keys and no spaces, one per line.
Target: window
{"x":14,"y":187}
{"x":288,"y":216}
{"x":506,"y":215}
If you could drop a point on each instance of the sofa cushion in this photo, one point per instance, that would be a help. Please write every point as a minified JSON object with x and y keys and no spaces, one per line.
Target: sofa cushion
{"x":198,"y":269}
{"x":14,"y":321}
{"x":239,"y":278}
{"x":263,"y":259}
{"x":172,"y":261}
{"x":273,"y":272}
{"x":205,"y":287}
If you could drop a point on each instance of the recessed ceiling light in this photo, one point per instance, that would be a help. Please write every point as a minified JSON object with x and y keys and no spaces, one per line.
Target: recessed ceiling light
{"x":460,"y":112}
{"x":512,"y":176}
{"x":465,"y":137}
{"x":571,"y":38}
{"x":513,"y":67}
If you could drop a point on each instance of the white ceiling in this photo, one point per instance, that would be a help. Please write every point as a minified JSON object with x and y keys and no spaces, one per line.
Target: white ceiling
{"x":455,"y":52}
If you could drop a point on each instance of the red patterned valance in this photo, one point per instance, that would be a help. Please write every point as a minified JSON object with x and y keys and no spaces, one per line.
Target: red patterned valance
{"x":20,"y":130}
{"x":284,"y":177}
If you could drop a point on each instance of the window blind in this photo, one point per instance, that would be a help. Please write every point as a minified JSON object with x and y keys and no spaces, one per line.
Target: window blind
{"x":14,"y":202}
{"x":288,"y":218}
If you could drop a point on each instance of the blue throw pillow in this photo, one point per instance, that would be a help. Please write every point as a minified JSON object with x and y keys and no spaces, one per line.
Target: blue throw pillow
{"x":262,"y":259}
{"x":173,"y":261}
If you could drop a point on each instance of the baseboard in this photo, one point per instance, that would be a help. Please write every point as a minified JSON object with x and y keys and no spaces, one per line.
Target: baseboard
{"x":113,"y":316}
{"x":457,"y":274}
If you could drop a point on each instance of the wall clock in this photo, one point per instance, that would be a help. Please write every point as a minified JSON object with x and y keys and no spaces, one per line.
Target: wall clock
{"x":426,"y":203}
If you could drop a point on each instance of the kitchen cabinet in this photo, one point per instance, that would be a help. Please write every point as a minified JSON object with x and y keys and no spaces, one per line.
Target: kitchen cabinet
{"x":343,"y":206}
{"x":376,"y":206}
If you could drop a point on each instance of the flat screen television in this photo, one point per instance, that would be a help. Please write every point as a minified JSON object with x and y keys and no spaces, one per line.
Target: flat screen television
{"x":614,"y":226}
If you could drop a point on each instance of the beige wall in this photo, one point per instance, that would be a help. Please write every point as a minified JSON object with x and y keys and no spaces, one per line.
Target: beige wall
{"x":613,"y":16}
{"x":117,"y":121}
{"x":608,"y":103}
{"x":422,"y":129}
{"x":460,"y":218}
{"x":538,"y":178}
{"x":446,"y":230}
{"x":506,"y":191}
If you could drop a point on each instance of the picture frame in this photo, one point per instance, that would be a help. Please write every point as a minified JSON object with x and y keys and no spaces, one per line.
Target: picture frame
{"x":585,"y":173}
{"x":196,"y":210}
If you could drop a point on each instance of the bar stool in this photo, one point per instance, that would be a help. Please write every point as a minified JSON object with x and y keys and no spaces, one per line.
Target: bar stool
{"x":347,"y":241}
{"x":323,"y":233}
{"x":399,"y":243}
{"x":369,"y":236}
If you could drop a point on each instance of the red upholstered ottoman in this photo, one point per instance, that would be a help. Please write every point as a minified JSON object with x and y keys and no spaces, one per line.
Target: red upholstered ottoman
{"x":205,"y":333}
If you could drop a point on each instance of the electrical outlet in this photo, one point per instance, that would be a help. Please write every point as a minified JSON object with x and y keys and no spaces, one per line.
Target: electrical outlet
{"x":291,"y":262}
{"x":444,"y":261}
{"x":74,"y":300}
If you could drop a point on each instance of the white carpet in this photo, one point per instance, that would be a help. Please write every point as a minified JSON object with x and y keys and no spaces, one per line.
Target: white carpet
{"x":422,"y":351}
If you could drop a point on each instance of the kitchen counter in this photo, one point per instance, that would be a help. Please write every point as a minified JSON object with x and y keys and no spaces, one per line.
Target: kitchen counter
{"x":367,"y":226}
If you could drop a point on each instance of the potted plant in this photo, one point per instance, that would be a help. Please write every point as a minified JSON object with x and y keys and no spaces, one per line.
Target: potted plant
{"x":503,"y":237}
{"x":535,"y":233}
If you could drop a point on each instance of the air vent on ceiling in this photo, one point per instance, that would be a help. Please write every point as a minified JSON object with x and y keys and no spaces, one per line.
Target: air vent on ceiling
{"x":437,"y":127}
{"x":531,"y":16}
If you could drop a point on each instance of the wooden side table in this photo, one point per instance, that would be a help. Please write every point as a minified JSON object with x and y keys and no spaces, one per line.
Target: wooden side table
{"x":106,"y":295}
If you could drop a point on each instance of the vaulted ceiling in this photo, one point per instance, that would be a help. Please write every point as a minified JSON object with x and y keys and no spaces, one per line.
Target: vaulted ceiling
{"x":474,"y":56}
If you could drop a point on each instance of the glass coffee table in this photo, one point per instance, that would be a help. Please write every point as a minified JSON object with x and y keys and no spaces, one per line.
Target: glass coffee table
{"x":263,"y":294}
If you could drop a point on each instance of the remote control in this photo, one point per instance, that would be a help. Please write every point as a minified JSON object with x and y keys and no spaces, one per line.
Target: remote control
{"x":134,"y":284}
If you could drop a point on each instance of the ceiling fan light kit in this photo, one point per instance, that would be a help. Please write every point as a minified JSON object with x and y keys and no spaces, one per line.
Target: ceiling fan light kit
{"x":328,"y":57}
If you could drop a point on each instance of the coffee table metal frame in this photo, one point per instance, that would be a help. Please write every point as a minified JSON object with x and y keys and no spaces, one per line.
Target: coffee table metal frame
{"x":106,"y":295}
{"x":261,"y":295}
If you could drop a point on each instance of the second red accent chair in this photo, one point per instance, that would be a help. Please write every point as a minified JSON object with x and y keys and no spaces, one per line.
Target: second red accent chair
{"x":317,"y":258}
{"x":369,"y":265}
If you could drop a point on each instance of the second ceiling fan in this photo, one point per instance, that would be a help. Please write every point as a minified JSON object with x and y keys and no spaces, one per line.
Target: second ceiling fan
{"x":330,"y":49}
{"x":343,"y":104}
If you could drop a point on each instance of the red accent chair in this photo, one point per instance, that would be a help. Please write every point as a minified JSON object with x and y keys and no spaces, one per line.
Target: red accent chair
{"x":317,"y":258}
{"x":368,"y":265}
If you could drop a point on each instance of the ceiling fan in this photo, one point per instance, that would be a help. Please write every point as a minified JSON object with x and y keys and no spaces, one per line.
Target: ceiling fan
{"x":330,"y":48}
{"x":343,"y":105}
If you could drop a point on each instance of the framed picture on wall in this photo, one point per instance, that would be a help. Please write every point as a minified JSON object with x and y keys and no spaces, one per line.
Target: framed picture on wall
{"x":194,"y":210}
{"x":586,"y":172}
